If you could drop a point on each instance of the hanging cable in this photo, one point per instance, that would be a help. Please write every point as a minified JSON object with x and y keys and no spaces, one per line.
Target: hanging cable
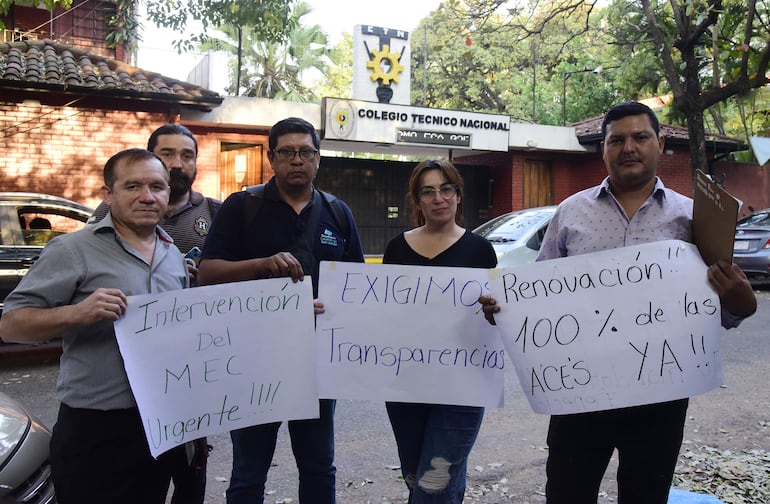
{"x":18,"y":124}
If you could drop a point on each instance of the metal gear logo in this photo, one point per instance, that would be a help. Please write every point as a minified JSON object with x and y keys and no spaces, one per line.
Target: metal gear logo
{"x":385,"y":65}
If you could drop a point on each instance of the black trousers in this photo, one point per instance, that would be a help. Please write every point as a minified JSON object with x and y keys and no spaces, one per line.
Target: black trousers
{"x":102,"y":456}
{"x":187,"y":473}
{"x":647,"y":439}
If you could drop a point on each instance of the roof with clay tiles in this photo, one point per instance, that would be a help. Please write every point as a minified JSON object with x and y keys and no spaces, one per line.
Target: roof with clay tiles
{"x":43,"y":65}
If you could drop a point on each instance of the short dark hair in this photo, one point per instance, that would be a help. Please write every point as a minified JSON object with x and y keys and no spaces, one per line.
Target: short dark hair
{"x":130,"y":156}
{"x":452,"y":176}
{"x":624,"y":109}
{"x":170,"y":129}
{"x":292,"y":125}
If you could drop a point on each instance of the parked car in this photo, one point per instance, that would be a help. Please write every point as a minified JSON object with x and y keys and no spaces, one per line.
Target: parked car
{"x":27,"y":222}
{"x":25,"y":475}
{"x":517,"y":236}
{"x":751,"y":248}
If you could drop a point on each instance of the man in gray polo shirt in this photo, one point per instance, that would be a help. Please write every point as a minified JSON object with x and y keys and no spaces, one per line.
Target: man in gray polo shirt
{"x":75,"y":291}
{"x":187,"y":220}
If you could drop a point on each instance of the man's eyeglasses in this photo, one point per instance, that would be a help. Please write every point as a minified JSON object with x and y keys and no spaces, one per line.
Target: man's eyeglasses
{"x":304,"y":154}
{"x":446,"y":191}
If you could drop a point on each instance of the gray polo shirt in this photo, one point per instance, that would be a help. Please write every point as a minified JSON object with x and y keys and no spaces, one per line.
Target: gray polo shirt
{"x":71,"y":267}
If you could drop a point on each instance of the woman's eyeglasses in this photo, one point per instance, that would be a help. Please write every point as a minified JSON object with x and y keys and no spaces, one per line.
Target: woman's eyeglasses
{"x":446,"y":191}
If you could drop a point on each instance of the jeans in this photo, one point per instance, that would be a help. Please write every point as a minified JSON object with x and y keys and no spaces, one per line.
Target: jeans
{"x":434,"y":442}
{"x":647,"y":439}
{"x":312,"y":442}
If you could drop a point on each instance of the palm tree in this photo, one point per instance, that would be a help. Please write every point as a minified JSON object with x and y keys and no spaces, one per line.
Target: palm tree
{"x":273,"y":69}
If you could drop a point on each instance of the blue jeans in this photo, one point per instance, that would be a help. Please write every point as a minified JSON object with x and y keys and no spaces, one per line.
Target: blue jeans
{"x":312,"y":442}
{"x":434,"y":442}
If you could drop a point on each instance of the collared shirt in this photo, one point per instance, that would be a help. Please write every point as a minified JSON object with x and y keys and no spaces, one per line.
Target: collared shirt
{"x":71,"y":267}
{"x":237,"y":235}
{"x":592,"y":220}
{"x":189,"y":225}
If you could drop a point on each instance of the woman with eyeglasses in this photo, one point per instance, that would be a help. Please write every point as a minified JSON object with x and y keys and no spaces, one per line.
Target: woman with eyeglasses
{"x":434,"y":440}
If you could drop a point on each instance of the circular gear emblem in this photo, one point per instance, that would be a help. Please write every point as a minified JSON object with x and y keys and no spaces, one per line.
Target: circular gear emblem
{"x":385,"y":65}
{"x":342,"y":120}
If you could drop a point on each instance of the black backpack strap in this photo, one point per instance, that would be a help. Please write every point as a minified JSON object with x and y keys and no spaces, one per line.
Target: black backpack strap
{"x":254,"y":200}
{"x":252,"y":205}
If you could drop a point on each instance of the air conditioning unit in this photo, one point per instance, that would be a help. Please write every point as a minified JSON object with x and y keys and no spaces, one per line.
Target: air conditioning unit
{"x":18,"y":35}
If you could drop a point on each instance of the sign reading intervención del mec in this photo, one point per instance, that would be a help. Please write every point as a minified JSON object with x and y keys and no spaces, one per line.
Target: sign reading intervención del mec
{"x":364,"y":121}
{"x":611,"y":329}
{"x":213,"y":359}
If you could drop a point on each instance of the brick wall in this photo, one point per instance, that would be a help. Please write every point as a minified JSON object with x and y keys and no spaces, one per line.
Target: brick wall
{"x":675,"y":171}
{"x":62,"y":151}
{"x":575,"y":172}
{"x":748,"y":182}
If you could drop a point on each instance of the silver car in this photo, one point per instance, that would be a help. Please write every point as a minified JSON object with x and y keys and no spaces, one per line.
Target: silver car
{"x":517,"y":236}
{"x":25,"y":476}
{"x":27,"y":222}
{"x":751,"y":248}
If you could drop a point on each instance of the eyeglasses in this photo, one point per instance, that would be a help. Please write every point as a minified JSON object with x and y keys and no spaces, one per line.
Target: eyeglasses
{"x":304,"y":154}
{"x":446,"y":191}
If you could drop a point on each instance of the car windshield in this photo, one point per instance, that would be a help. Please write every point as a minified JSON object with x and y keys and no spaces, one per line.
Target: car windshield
{"x":761,"y":219}
{"x":515,"y":226}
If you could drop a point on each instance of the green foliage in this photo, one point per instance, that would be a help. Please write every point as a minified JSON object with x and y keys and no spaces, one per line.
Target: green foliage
{"x":337,"y":81}
{"x":710,"y":52}
{"x":123,"y":26}
{"x":522,"y":61}
{"x":269,"y":20}
{"x":273,"y":69}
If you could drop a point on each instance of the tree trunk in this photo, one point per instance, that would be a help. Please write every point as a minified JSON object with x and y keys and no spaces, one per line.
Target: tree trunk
{"x":697,"y":134}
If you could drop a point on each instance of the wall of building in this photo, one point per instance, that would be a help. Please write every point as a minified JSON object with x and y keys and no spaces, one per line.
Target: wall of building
{"x":574,"y":172}
{"x":501,"y":166}
{"x":83,"y":26}
{"x":62,"y":151}
{"x":210,"y":142}
{"x":748,"y":182}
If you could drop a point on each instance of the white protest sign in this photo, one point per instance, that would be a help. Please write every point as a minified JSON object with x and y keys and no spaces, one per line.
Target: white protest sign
{"x":407,"y":334}
{"x":606,"y":330}
{"x":212,"y":359}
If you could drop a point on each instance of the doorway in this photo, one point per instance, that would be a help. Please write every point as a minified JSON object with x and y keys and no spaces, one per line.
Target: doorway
{"x":241,"y":166}
{"x":538,"y":183}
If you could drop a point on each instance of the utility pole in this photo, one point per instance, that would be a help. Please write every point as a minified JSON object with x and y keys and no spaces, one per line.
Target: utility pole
{"x":564,"y":77}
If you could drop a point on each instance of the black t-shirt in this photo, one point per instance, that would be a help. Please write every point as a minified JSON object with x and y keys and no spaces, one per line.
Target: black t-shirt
{"x":470,"y":251}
